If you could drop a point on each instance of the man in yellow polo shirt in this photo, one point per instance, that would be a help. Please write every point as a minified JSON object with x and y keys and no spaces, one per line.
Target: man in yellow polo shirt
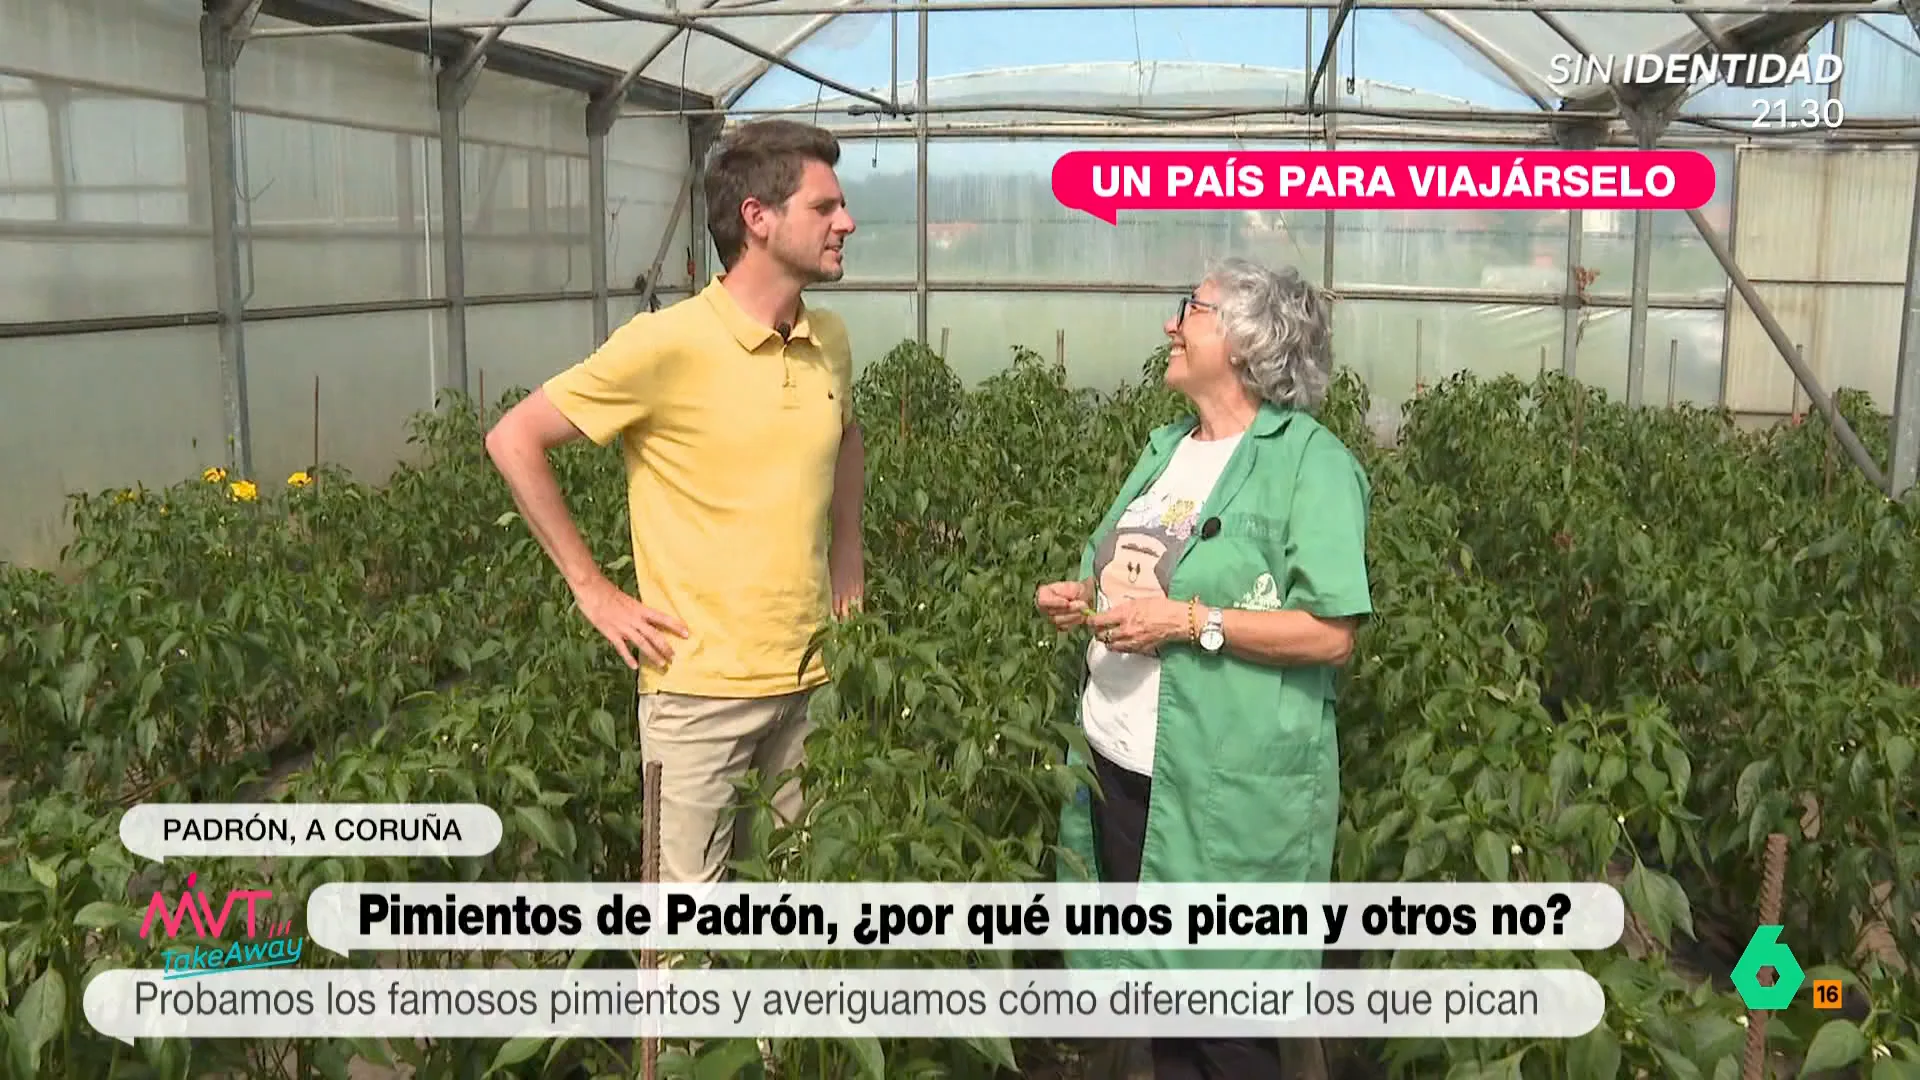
{"x":745,"y":473}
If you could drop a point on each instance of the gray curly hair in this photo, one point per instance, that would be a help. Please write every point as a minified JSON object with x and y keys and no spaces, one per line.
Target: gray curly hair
{"x":1279,"y":327}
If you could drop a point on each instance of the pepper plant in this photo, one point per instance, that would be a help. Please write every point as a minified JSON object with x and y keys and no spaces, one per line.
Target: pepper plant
{"x":1613,"y":644}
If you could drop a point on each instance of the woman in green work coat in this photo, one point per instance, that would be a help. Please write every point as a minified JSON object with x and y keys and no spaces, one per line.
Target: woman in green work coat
{"x":1226,"y":580}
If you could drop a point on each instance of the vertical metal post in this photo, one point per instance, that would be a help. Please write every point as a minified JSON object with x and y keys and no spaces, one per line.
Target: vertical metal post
{"x":599,"y":223}
{"x":1906,"y":387}
{"x":1840,"y":51}
{"x":406,"y":198}
{"x":920,"y":189}
{"x":1333,"y":101}
{"x":1727,"y":309}
{"x":451,"y":94}
{"x":1637,"y":327}
{"x":219,"y":49}
{"x":654,"y":269}
{"x":58,"y":101}
{"x":601,"y":114}
{"x":1571,"y":310}
{"x":701,"y":135}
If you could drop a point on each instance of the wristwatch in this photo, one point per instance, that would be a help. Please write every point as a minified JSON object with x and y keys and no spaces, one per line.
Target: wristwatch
{"x":1213,"y":635}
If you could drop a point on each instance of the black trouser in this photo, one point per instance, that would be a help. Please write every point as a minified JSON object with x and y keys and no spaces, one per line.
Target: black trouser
{"x":1119,"y":835}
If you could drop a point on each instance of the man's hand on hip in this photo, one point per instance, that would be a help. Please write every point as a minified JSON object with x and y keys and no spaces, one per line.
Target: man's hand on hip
{"x":849,"y":586}
{"x":627,"y":623}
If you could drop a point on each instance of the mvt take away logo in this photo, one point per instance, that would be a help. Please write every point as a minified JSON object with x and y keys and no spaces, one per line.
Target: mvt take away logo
{"x":267,"y":943}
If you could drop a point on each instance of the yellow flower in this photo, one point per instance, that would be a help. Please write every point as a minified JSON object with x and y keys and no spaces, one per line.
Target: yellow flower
{"x":214,"y":475}
{"x":128,"y":496}
{"x":299,"y":479}
{"x":243,"y":490}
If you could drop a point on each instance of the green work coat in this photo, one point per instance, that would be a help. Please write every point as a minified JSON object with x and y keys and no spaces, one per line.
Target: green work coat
{"x":1246,"y":770}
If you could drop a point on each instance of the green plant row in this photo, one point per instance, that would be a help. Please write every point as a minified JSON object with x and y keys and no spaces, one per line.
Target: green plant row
{"x":1620,"y":644}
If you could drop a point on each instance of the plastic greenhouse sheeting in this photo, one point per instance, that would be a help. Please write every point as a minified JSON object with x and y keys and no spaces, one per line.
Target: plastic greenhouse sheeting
{"x":1522,"y":45}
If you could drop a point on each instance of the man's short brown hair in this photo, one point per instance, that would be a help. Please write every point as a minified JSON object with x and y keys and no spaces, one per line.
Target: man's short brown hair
{"x":762,"y":160}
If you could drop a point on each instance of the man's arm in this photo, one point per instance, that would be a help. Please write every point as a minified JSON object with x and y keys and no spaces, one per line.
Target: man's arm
{"x":519,"y":445}
{"x":847,"y":560}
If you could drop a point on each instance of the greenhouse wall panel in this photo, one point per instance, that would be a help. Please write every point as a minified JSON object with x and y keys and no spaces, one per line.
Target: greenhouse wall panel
{"x":1855,"y":323}
{"x":348,"y":381}
{"x":1872,"y":194}
{"x":527,"y":221}
{"x":646,"y":167}
{"x":114,"y":223}
{"x":149,"y":46}
{"x":334,"y":78}
{"x":1842,"y":331}
{"x":1398,"y":346}
{"x":1682,"y":264}
{"x":1813,"y":235}
{"x":876,"y":321}
{"x":1683,"y":354}
{"x":1758,"y":380}
{"x":89,"y":413}
{"x":1107,"y":337}
{"x":520,"y":345}
{"x":336,"y":214}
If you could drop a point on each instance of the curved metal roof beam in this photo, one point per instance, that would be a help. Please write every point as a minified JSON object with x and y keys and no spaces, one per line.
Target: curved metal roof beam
{"x":782,"y":51}
{"x":1707,"y":30}
{"x":628,"y":77}
{"x":476,"y":54}
{"x":1746,"y":34}
{"x":737,"y":89}
{"x":1523,"y":80}
{"x":694,"y":25}
{"x":1617,"y":89}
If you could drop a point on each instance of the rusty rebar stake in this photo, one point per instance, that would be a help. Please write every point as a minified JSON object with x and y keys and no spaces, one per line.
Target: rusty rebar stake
{"x":1756,"y":1060}
{"x":650,"y":873}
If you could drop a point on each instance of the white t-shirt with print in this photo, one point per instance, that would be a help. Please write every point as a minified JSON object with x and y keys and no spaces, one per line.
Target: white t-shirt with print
{"x":1120,"y":707}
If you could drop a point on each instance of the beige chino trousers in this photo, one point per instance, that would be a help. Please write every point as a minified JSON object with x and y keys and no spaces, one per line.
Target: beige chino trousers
{"x":703,"y":745}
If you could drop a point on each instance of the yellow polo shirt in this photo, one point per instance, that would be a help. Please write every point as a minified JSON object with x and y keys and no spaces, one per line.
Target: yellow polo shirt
{"x":730,"y":439}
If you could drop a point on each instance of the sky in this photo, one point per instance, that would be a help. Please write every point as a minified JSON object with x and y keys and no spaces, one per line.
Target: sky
{"x":1387,"y":46}
{"x":1404,"y":48}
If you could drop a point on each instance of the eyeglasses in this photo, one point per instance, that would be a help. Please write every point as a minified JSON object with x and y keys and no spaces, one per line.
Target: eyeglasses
{"x":1188,"y":303}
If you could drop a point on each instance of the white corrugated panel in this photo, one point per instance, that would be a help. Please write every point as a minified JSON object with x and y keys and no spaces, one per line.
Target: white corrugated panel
{"x":1873,"y":191}
{"x":1823,"y":237}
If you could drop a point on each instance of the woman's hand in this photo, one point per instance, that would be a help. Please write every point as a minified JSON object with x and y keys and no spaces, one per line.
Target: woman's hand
{"x":1141,"y":626}
{"x":1065,"y":602}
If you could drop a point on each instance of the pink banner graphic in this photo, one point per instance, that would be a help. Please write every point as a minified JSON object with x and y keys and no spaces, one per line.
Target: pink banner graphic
{"x":1106,"y":182}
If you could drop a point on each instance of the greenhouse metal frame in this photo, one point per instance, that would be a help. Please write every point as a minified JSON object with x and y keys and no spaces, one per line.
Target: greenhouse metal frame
{"x":757,"y":37}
